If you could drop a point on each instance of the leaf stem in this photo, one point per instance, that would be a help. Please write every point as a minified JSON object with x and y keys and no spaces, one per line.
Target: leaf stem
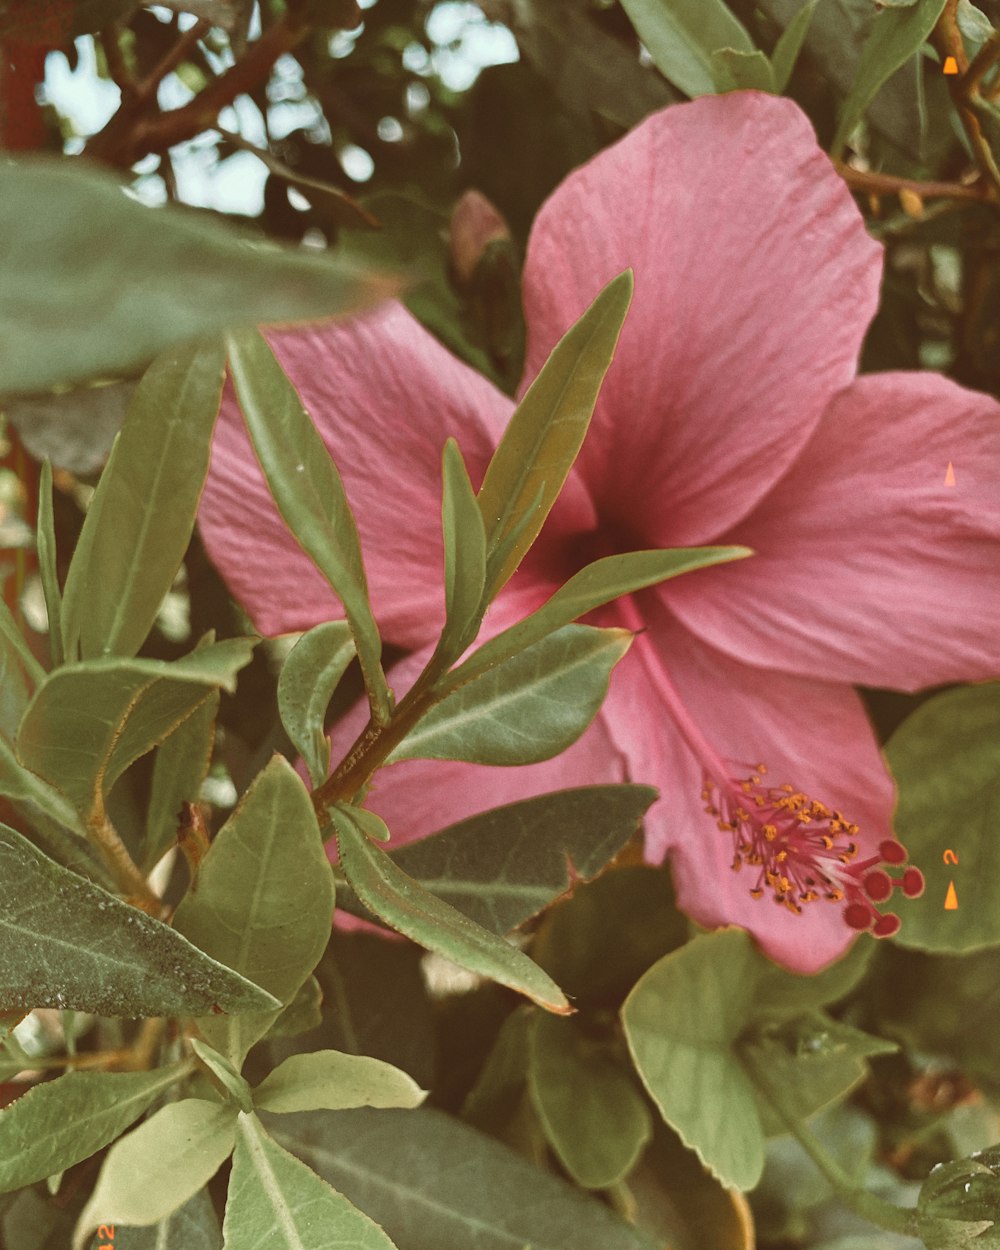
{"x":861,"y":1201}
{"x":127,"y":876}
{"x":947,"y":39}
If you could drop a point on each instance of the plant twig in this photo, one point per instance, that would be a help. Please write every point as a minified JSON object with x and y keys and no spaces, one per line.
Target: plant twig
{"x":888,"y":184}
{"x":947,"y":38}
{"x":129,"y":879}
{"x":138,"y":129}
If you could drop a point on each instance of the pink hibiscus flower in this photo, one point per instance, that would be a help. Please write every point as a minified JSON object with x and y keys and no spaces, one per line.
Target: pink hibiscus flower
{"x":731,"y":415}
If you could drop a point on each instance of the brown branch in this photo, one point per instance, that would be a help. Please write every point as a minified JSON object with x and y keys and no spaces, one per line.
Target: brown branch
{"x":888,"y":184}
{"x":947,"y":38}
{"x":118,"y":67}
{"x":137,"y":129}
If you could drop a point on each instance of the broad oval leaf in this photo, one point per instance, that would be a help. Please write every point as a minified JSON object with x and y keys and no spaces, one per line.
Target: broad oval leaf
{"x":67,"y":943}
{"x":464,"y":555}
{"x":141,"y":518}
{"x":594,"y":1117}
{"x":274,"y":1197}
{"x":308,"y":490}
{"x":264,"y":899}
{"x":309,"y":676}
{"x":681,"y":36}
{"x":544,"y":435}
{"x":188,"y":277}
{"x":430,"y":1180}
{"x":407,"y":907}
{"x":681,"y":1023}
{"x":160,"y":1165}
{"x":945,"y":758}
{"x":333,"y":1081}
{"x":526,"y":709}
{"x":61,"y":1122}
{"x":88,"y":722}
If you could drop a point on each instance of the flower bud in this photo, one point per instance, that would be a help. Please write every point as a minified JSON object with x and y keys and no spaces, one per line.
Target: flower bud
{"x":475,"y":224}
{"x":959,"y":1204}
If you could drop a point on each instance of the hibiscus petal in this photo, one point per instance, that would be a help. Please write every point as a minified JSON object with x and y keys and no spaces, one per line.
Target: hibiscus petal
{"x":385,"y":395}
{"x":869,"y":567}
{"x":812,"y":734}
{"x":754,"y":284}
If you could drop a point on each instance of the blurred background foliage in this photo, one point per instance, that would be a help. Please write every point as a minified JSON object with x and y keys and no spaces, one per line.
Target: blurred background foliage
{"x":366,"y":136}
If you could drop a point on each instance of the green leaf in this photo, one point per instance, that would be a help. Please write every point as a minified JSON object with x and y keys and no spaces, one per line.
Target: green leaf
{"x":308,"y":490}
{"x":20,"y":673}
{"x":595,"y":585}
{"x":896,"y":35}
{"x":303,"y":1014}
{"x":61,"y":1122}
{"x":813,"y":1060}
{"x":193,"y":1226}
{"x":464,"y":555}
{"x":180,"y":767}
{"x":234,"y":1084}
{"x":264,"y":899}
{"x":545,"y":433}
{"x":58,"y":828}
{"x":959,"y":1203}
{"x":275,"y":1199}
{"x":334,"y":1081}
{"x":681,"y":36}
{"x":595,"y":1119}
{"x":505,"y":865}
{"x":681,"y":1021}
{"x":407,"y":907}
{"x":309,"y":676}
{"x":188,"y":277}
{"x":160,"y":1165}
{"x":526,"y":709}
{"x":598,"y":942}
{"x":946,"y":762}
{"x":70,"y":944}
{"x":787,"y":49}
{"x":431,"y":1181}
{"x":141,"y":518}
{"x":47,"y":564}
{"x":88,"y":722}
{"x":742,"y":71}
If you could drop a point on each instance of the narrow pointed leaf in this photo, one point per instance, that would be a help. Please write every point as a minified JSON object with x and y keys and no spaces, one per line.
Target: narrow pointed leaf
{"x":160,"y":1165}
{"x":896,"y":35}
{"x":88,"y":722}
{"x":787,"y":49}
{"x":188,"y":277}
{"x":20,"y":674}
{"x":61,"y":1122}
{"x":415,"y":912}
{"x":264,"y":901}
{"x":179,"y":769}
{"x":503,"y":866}
{"x":69,"y":944}
{"x":275,"y":1200}
{"x":333,"y":1081}
{"x":309,"y":493}
{"x":593,"y":586}
{"x":234,"y":1084}
{"x":309,"y":676}
{"x":464,"y":555}
{"x":47,"y":564}
{"x":742,"y":71}
{"x":547,"y":429}
{"x":141,"y":518}
{"x":528,"y":708}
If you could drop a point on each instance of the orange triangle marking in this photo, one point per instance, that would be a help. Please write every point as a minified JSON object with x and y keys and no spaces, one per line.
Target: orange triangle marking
{"x":949,"y":477}
{"x":950,"y":65}
{"x":951,"y":898}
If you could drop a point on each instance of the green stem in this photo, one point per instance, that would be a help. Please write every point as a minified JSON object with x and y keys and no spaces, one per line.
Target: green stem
{"x":868,"y":1205}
